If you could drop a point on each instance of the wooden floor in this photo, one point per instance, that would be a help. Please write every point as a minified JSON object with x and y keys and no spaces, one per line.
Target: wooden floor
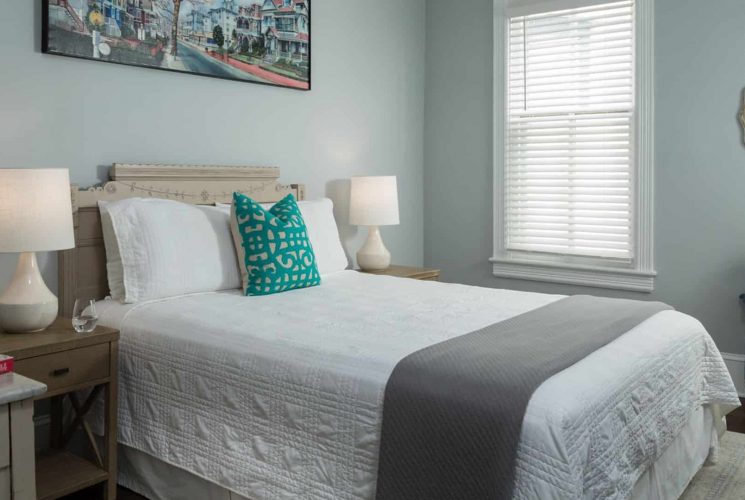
{"x":735,"y":423}
{"x":94,"y":493}
{"x":125,"y":494}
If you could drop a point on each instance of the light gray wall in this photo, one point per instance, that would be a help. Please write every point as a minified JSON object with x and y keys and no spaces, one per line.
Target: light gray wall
{"x":363,"y":116}
{"x":700,"y":166}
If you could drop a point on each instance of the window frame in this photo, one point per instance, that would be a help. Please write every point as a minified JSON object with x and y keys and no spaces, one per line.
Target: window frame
{"x":639,"y":274}
{"x":285,"y":22}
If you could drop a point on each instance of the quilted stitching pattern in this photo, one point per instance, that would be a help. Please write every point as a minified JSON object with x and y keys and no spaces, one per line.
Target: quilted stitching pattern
{"x":290,"y":406}
{"x":622,"y":433}
{"x":273,"y":246}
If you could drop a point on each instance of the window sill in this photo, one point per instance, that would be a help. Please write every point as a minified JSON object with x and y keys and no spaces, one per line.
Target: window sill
{"x":599,"y":277}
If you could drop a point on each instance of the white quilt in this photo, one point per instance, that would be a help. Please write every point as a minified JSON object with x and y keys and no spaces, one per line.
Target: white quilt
{"x":280,"y":397}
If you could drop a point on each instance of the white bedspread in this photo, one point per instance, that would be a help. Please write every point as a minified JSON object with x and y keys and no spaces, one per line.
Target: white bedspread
{"x":280,"y":397}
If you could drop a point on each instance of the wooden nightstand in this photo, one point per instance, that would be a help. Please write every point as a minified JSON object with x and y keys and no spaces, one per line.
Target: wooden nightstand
{"x":417,"y":273}
{"x":67,"y":362}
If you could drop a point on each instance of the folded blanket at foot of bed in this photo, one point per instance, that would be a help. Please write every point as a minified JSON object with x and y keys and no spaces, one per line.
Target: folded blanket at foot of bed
{"x":453,"y":411}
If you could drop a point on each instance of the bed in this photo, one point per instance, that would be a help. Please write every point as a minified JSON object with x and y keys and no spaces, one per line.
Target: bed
{"x":225,"y":396}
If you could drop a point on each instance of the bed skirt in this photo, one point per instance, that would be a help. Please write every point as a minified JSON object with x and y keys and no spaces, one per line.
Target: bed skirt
{"x":666,"y":479}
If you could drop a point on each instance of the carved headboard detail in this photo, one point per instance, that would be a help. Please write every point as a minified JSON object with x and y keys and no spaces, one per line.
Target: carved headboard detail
{"x":82,"y":270}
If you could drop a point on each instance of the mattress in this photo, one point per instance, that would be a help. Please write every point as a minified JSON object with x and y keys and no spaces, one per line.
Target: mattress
{"x":281,"y":396}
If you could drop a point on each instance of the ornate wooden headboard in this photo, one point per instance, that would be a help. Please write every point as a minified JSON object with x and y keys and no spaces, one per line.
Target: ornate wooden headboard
{"x":82,"y":270}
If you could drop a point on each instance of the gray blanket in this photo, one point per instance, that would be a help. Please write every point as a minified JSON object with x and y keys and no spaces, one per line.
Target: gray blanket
{"x":453,"y":412}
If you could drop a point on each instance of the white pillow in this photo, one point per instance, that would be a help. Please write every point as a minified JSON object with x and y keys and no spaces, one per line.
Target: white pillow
{"x":168,"y":248}
{"x":114,"y":269}
{"x":322,"y":232}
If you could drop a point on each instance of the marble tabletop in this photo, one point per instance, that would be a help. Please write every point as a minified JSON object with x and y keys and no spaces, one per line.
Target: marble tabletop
{"x":15,"y":387}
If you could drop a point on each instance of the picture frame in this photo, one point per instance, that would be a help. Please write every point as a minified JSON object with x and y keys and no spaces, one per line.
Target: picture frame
{"x":256,"y":41}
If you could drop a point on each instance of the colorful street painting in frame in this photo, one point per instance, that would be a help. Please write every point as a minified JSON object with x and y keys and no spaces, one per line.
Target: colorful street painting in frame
{"x":260,"y":41}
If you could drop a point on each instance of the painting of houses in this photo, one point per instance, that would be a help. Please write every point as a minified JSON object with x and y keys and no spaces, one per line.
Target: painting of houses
{"x":260,"y":41}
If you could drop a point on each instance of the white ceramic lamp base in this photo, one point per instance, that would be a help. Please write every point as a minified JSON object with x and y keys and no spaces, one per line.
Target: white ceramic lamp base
{"x":373,"y":256}
{"x":27,"y":305}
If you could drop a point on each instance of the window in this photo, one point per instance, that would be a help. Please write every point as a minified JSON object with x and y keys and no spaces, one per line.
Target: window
{"x":285,"y":24}
{"x":573,"y":142}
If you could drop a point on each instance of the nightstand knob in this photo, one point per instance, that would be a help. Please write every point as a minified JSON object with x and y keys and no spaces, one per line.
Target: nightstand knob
{"x":60,"y":371}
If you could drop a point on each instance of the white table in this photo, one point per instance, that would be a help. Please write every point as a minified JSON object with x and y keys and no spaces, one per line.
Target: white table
{"x":17,"y":475}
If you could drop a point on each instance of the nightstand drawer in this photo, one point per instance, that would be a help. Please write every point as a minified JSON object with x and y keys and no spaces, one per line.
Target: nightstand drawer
{"x":67,"y":368}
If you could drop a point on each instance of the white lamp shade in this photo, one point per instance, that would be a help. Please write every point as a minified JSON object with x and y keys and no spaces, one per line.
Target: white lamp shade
{"x":35,"y":210}
{"x":374,"y":201}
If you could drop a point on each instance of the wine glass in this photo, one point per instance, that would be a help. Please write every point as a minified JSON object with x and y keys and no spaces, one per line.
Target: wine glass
{"x":84,"y":316}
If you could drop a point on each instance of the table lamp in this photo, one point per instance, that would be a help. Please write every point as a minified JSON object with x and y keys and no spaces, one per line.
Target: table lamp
{"x":373,"y":203}
{"x":35,"y":216}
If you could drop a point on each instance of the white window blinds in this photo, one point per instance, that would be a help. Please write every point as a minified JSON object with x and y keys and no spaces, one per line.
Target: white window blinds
{"x":569,"y":162}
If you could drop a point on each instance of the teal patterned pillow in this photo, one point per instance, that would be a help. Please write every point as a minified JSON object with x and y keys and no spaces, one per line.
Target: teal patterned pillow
{"x":274,"y":251}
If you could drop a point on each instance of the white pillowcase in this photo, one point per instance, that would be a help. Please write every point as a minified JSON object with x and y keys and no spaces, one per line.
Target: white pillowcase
{"x":322,"y":232}
{"x":162,"y":248}
{"x":114,"y":269}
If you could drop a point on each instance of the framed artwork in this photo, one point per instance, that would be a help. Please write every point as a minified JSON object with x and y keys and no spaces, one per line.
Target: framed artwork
{"x":258,"y":41}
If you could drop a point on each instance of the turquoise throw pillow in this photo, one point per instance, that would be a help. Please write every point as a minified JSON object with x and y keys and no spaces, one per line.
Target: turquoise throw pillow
{"x":274,"y":252}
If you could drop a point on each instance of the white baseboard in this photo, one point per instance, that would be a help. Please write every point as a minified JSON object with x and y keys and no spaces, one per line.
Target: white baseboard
{"x":736,"y":365}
